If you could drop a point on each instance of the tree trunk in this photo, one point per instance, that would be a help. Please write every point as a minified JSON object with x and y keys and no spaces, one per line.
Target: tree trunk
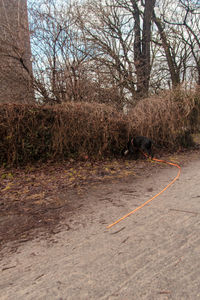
{"x":171,"y":60}
{"x":142,"y":47}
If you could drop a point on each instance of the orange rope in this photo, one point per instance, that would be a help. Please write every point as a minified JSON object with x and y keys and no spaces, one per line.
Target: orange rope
{"x":145,"y":203}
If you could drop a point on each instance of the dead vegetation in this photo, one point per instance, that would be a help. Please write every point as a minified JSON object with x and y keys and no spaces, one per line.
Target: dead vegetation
{"x":31,"y":133}
{"x":168,"y":118}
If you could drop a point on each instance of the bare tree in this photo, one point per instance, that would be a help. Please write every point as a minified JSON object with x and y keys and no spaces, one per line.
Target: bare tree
{"x":174,"y":68}
{"x":112,"y":50}
{"x":191,"y":22}
{"x":60,"y":64}
{"x":120,"y":34}
{"x":186,"y":23}
{"x":103,"y":28}
{"x":142,"y":39}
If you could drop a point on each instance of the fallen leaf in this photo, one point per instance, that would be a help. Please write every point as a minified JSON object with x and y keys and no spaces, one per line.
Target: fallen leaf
{"x":7,"y":187}
{"x":36,"y":196}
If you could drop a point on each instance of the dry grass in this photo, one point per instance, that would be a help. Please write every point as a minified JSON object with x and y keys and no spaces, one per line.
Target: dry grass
{"x":32,"y":133}
{"x":168,"y":118}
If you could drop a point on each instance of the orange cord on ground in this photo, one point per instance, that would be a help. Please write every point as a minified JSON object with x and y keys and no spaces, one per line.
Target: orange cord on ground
{"x":145,"y":203}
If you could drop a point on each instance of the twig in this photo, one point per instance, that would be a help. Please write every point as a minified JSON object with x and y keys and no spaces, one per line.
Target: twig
{"x":7,"y":268}
{"x":186,"y":211}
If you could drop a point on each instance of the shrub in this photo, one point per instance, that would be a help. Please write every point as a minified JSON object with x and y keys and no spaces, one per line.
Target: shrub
{"x":30,"y":133}
{"x":168,"y":118}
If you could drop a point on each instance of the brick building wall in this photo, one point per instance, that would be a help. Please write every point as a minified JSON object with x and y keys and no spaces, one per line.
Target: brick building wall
{"x":15,"y":53}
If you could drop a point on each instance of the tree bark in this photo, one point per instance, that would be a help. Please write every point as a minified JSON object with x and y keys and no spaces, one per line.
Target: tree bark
{"x":142,"y":46}
{"x":173,"y":68}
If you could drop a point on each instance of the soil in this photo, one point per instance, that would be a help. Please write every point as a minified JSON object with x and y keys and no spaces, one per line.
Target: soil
{"x":54,"y":240}
{"x":36,"y":198}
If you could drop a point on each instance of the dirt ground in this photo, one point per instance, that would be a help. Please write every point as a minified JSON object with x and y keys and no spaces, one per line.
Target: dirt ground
{"x":55,"y":244}
{"x":36,"y":198}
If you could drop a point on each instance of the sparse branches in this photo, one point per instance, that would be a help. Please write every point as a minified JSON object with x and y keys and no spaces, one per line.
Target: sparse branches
{"x":114,"y":50}
{"x":187,"y":22}
{"x":59,"y":59}
{"x":107,"y":31}
{"x":120,"y":33}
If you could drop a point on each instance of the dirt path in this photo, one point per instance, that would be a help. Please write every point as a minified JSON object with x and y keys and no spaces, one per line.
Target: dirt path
{"x":153,"y":254}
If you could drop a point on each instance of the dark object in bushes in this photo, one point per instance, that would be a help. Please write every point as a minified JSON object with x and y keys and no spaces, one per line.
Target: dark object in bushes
{"x":139,"y":144}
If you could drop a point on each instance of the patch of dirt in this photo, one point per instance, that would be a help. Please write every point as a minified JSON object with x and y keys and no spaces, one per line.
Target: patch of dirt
{"x":32,"y":198}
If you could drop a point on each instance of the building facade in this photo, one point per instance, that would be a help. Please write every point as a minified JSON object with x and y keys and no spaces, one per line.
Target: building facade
{"x":15,"y":53}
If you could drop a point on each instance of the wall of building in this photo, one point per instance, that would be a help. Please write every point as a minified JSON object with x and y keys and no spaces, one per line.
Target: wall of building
{"x":15,"y":53}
